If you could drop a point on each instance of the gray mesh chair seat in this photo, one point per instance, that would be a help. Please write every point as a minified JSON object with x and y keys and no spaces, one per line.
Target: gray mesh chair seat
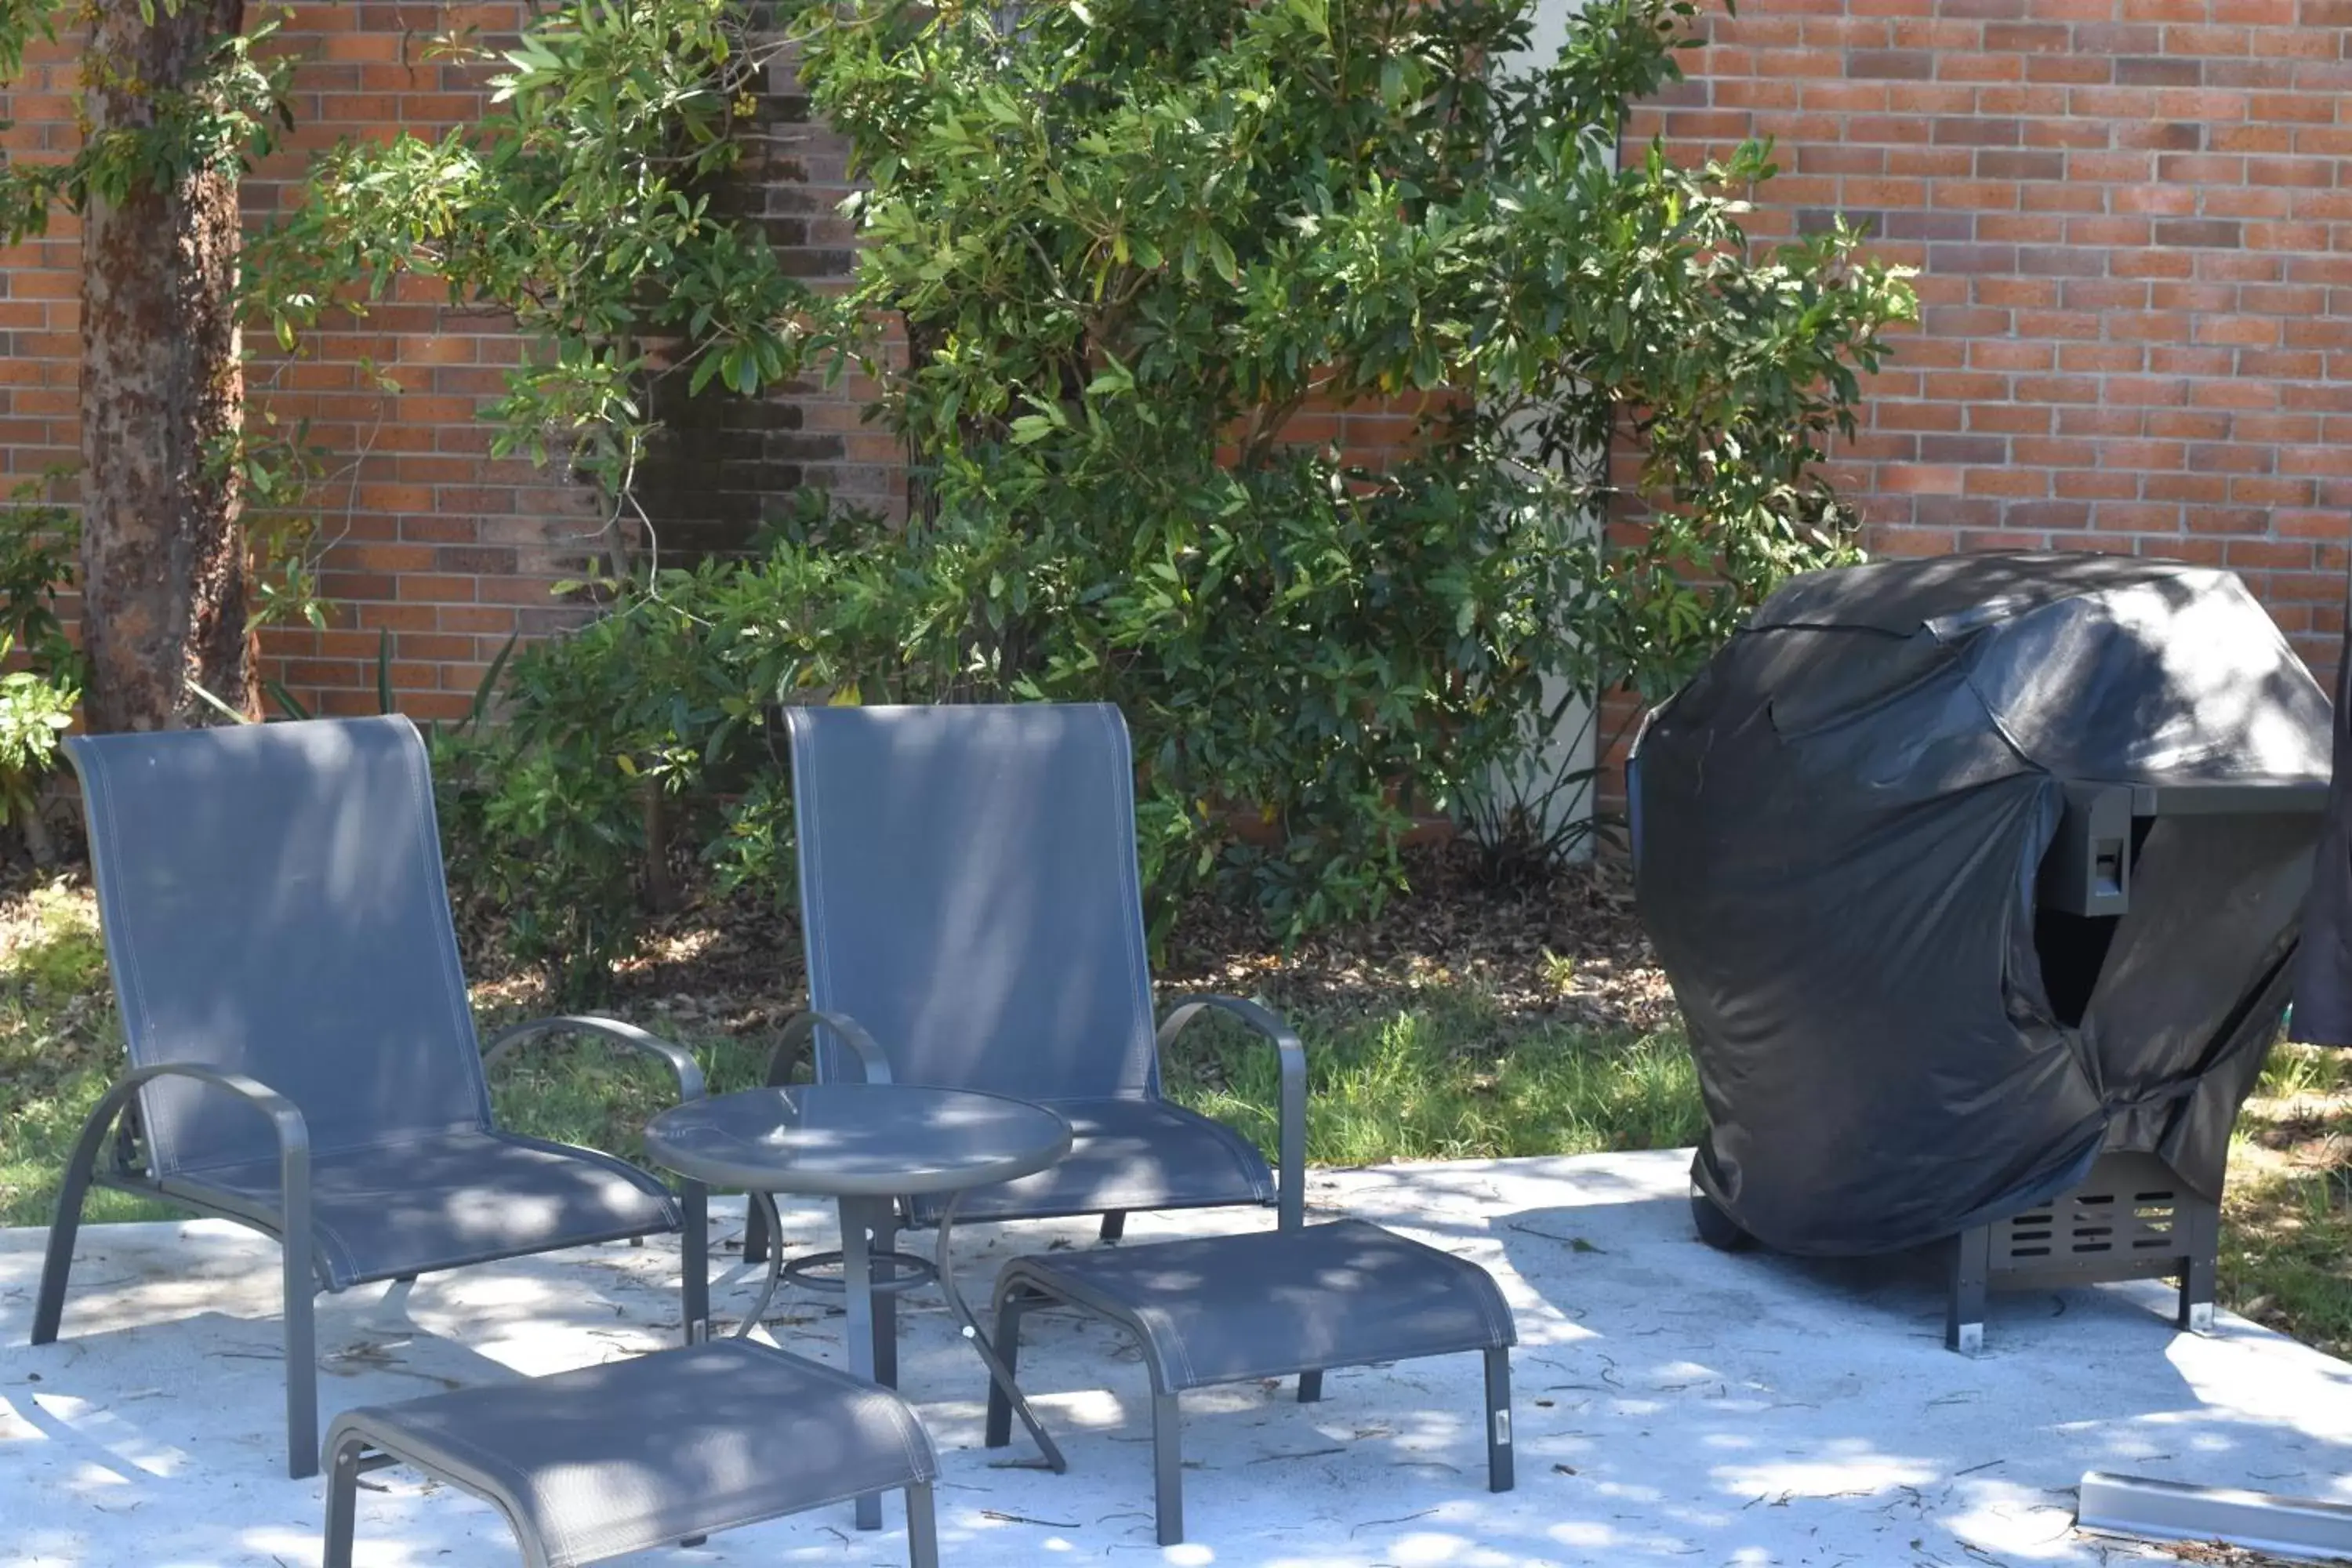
{"x":670,"y":1447}
{"x":1127,"y":1155}
{"x":433,"y":1202}
{"x":303,"y":1057}
{"x":1225,"y":1308}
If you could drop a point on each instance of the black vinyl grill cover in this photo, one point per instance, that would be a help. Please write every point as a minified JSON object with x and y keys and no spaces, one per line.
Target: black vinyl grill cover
{"x":1839,"y":826}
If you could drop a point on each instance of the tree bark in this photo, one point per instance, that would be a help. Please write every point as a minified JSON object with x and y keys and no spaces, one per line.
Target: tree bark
{"x":162,"y":386}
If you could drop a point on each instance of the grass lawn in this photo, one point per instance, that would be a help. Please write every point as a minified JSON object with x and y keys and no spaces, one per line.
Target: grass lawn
{"x":2286,"y":1231}
{"x":1418,"y":1050}
{"x":1421,"y":1063}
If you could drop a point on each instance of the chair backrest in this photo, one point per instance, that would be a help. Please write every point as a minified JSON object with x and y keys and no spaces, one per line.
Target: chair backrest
{"x":273,"y":905}
{"x":969,"y":893}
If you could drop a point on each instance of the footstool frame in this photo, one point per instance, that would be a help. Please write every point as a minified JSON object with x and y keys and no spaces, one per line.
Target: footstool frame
{"x":1072,"y":1280}
{"x":373,"y":1438}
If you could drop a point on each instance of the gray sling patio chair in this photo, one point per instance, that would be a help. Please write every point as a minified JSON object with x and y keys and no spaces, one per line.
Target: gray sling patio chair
{"x":970,"y":895}
{"x":303,"y":1057}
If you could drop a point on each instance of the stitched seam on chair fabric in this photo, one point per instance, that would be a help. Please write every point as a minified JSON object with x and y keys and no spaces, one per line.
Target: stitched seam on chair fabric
{"x":1241,"y":1152}
{"x":341,"y":1261}
{"x":1472,"y":1279}
{"x":1162,"y":1329}
{"x":1130,"y":881}
{"x":469,"y":1261}
{"x":374,"y":1425}
{"x":409,"y":751}
{"x":488,"y":1466}
{"x":1495,"y":1333}
{"x":807,"y":779}
{"x":921,"y":1459}
{"x":1489,"y":1297}
{"x":346,"y":1257}
{"x":1154,"y":1330}
{"x":491,"y":1466}
{"x":652,"y":1186}
{"x":1493,"y":1310}
{"x":160,"y":1158}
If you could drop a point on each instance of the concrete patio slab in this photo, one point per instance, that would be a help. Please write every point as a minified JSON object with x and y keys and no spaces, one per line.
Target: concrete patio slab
{"x":1674,"y":1404}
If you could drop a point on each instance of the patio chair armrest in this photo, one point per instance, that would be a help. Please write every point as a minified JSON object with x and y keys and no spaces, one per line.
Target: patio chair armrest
{"x":286,"y":1120}
{"x":689,"y":1071}
{"x":801,"y":1028}
{"x":285,"y":1117}
{"x":1291,"y":1123}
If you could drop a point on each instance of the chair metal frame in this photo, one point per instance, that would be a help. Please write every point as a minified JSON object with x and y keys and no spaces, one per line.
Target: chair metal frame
{"x":113,"y":1150}
{"x":289,"y":1225}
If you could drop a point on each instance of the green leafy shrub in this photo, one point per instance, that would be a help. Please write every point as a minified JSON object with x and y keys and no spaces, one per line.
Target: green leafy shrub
{"x":37,"y":541}
{"x":33,"y":712}
{"x":1131,"y":240}
{"x":1128,"y":243}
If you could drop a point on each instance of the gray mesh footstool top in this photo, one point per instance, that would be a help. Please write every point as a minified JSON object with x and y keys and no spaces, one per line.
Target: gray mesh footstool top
{"x":1225,"y":1309}
{"x":666,"y":1448}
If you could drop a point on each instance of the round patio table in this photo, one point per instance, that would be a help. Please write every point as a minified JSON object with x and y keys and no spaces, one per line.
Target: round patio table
{"x":866,"y":1145}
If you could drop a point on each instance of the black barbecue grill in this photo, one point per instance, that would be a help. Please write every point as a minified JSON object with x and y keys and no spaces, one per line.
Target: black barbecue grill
{"x":1977,"y":879}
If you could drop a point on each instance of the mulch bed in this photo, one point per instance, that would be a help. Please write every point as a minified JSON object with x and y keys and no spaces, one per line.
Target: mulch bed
{"x":1567,"y":947}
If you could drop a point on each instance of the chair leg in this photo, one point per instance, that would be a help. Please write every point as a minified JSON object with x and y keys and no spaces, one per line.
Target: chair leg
{"x":1167,"y":1467}
{"x":48,"y":1308}
{"x":1310,"y":1386}
{"x":999,"y":1430}
{"x":694,"y":1264}
{"x":1114,"y":1225}
{"x":342,"y":1500}
{"x":301,"y":1288}
{"x":922,"y":1528}
{"x":1502,"y":1474}
{"x":301,"y":1359}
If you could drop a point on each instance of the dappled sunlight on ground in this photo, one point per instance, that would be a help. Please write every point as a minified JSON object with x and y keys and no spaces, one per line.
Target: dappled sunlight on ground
{"x":1674,"y":1405}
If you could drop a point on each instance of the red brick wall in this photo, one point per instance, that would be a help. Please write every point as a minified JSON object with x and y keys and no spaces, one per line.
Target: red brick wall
{"x":447,"y":549}
{"x":2131,"y":219}
{"x":2133,"y":222}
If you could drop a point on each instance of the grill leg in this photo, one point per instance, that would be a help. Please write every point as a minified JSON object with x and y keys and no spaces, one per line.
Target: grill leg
{"x":1310,"y":1386}
{"x":1167,"y":1467}
{"x":1501,"y":1474}
{"x":1114,"y":1225}
{"x":2199,"y":1268}
{"x":1964,"y":1308}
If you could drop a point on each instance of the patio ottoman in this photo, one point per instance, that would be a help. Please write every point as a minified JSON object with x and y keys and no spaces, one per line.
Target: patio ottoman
{"x":1229,"y":1309}
{"x":670,"y":1447}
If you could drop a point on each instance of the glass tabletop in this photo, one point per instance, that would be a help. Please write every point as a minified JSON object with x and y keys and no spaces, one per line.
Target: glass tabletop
{"x":856,"y":1139}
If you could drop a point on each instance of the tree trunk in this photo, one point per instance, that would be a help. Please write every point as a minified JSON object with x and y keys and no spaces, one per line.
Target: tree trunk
{"x":162,"y":556}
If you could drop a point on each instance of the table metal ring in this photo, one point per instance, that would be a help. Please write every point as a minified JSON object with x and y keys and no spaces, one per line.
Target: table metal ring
{"x":894,"y":1272}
